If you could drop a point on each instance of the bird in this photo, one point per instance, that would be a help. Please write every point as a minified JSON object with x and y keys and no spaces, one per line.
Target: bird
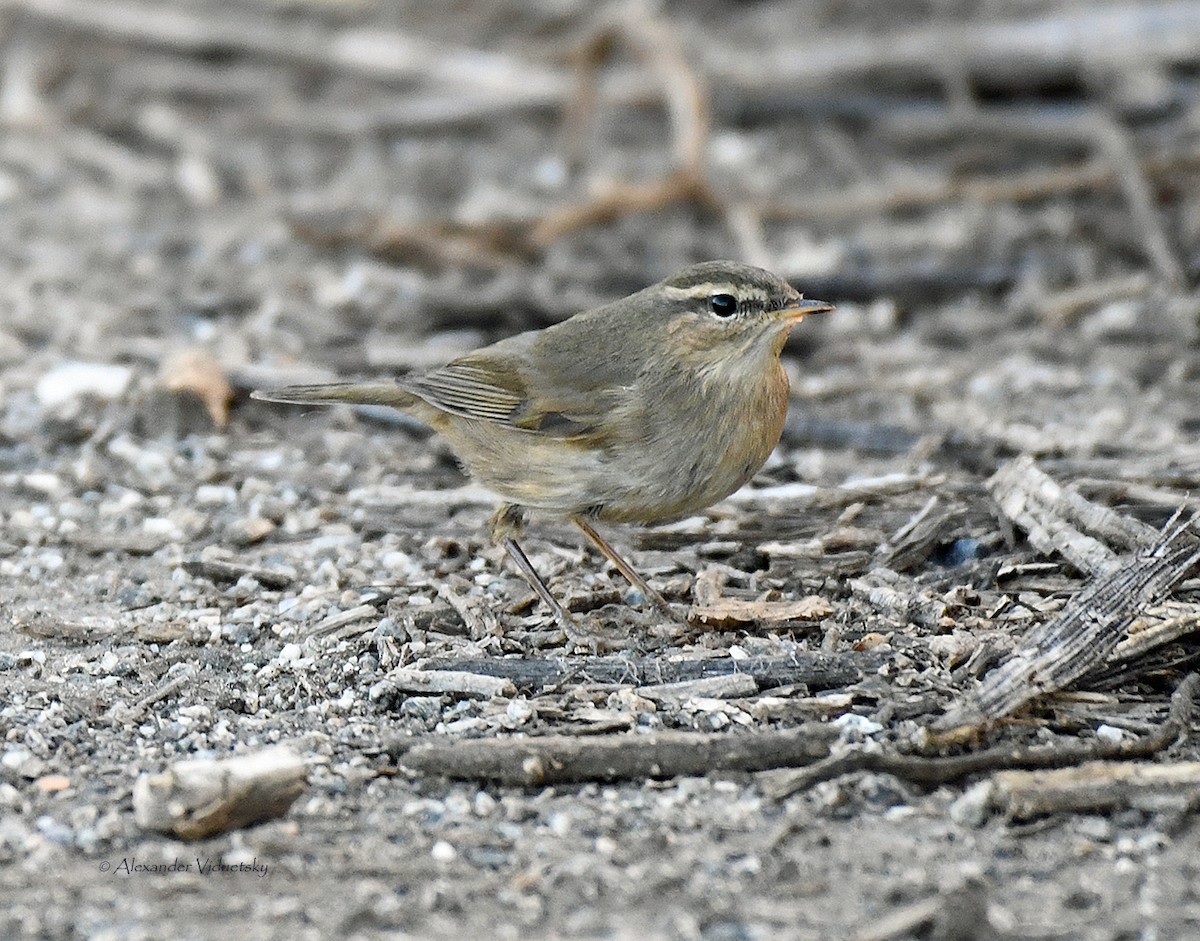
{"x":643,"y":410}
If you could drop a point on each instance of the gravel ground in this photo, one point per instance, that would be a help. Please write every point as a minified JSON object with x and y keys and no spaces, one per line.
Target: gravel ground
{"x":187,"y":215}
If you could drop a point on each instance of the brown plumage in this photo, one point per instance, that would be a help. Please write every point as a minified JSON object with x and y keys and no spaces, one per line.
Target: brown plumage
{"x":643,"y":410}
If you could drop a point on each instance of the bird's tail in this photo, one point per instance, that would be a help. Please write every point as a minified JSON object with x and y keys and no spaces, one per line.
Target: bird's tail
{"x":351,"y":393}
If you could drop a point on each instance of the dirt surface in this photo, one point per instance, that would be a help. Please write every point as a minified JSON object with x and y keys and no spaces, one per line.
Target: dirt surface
{"x":198,"y":199}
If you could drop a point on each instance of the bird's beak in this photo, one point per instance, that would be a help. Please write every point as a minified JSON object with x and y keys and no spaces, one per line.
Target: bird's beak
{"x":801,"y":308}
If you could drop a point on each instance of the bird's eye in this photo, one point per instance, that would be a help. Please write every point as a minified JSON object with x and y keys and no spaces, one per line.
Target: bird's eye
{"x":723,"y":305}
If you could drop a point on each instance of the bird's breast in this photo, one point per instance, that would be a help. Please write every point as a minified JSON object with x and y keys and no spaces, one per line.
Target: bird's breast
{"x":703,"y":445}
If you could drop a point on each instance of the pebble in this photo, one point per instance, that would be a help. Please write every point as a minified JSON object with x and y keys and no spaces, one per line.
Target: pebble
{"x":443,"y":852}
{"x":853,"y":722}
{"x":1110,"y":733}
{"x":72,"y":380}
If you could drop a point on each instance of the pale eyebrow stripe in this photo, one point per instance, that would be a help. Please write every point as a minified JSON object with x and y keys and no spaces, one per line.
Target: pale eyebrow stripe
{"x":708,"y":287}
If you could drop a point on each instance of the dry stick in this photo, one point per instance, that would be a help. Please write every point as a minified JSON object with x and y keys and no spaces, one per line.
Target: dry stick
{"x":687,"y":101}
{"x":814,"y":670}
{"x":1060,"y":308}
{"x":1163,"y":625}
{"x":389,"y":56}
{"x":1091,"y":126}
{"x":1019,"y":52}
{"x":1088,"y":629}
{"x":1113,"y":142}
{"x":1018,"y":187}
{"x":556,"y":759}
{"x":936,"y":771}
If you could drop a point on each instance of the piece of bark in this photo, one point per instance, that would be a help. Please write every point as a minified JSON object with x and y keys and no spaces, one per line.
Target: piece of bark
{"x":423,"y":682}
{"x":733,"y":686}
{"x":737,"y":612}
{"x":560,"y":759}
{"x":195,"y":799}
{"x":814,"y":670}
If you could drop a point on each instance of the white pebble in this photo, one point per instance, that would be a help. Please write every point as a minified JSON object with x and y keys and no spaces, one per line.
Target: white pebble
{"x":71,"y":380}
{"x":861,"y":724}
{"x":290,"y":653}
{"x":1110,"y":733}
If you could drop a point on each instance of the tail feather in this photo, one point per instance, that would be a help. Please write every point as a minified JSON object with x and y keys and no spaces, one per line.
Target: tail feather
{"x":351,"y":393}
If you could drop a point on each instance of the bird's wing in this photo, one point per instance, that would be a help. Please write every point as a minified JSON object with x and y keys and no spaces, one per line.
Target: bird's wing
{"x":501,"y":386}
{"x":470,"y":390}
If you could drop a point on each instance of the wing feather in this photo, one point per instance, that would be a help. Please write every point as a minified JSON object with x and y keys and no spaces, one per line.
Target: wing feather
{"x":550,"y":382}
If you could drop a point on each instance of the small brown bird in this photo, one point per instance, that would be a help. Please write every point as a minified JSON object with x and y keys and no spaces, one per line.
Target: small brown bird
{"x":639,"y":411}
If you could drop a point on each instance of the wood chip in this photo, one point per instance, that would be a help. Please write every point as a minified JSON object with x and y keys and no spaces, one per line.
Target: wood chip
{"x":733,"y":686}
{"x":195,"y":799}
{"x":423,"y":682}
{"x":52,"y":783}
{"x":1095,"y":787}
{"x":734,"y":612}
{"x":197,"y":371}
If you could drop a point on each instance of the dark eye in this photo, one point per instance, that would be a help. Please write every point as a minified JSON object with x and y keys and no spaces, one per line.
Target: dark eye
{"x":723,"y":305}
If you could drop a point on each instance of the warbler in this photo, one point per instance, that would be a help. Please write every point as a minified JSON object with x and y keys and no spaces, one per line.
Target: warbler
{"x":643,"y":410}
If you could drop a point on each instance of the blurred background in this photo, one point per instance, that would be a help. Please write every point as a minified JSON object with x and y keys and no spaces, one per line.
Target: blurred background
{"x":303,"y":189}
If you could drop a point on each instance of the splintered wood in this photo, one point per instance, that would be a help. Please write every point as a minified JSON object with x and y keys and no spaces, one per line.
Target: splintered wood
{"x":1094,"y":622}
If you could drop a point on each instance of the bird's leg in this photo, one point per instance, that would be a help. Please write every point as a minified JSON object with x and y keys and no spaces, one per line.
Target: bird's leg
{"x":625,"y":568}
{"x":506,"y":524}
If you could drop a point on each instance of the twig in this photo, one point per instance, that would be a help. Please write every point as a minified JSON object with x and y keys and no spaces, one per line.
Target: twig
{"x":1019,"y":53}
{"x":1062,"y":307}
{"x":686,"y":98}
{"x":959,"y":911}
{"x":555,"y":759}
{"x":1158,"y":628}
{"x":935,"y":771}
{"x":814,"y":670}
{"x":1113,"y":143}
{"x":227,"y":570}
{"x":870,"y":199}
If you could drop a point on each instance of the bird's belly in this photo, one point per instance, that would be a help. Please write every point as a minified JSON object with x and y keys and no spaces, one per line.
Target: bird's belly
{"x":537,"y":471}
{"x":674,"y":467}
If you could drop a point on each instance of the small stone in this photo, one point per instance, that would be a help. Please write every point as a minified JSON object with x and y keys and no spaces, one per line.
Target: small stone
{"x":52,"y":783}
{"x":852,"y":721}
{"x":72,"y":380}
{"x":443,"y":852}
{"x":974,"y":806}
{"x":251,"y":530}
{"x":54,"y":831}
{"x":45,"y":483}
{"x":290,"y":653}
